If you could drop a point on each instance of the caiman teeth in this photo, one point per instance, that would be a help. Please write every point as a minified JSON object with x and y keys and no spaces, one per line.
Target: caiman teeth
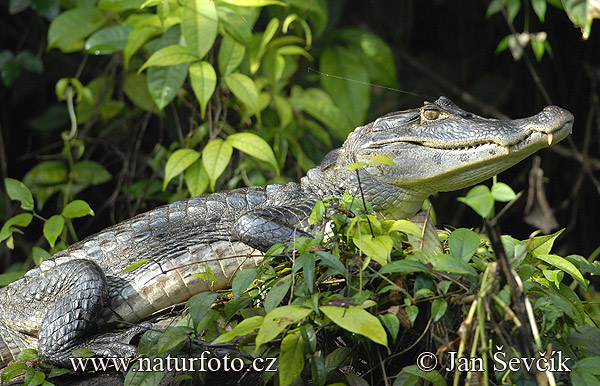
{"x":550,"y":137}
{"x":507,"y":149}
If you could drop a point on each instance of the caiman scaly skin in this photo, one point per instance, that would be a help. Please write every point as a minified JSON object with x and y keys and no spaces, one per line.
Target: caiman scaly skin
{"x":58,"y":306}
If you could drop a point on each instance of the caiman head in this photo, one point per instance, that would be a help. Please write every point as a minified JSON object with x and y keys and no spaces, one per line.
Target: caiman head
{"x":440,"y":147}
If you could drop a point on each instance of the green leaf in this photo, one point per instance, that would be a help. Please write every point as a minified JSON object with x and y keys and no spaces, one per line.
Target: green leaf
{"x":231,"y":54}
{"x":196,"y":178}
{"x":480,"y":199}
{"x":26,"y":355}
{"x":21,"y":220}
{"x":53,"y":228}
{"x":407,"y":227}
{"x":137,"y":38}
{"x":9,"y":277}
{"x":254,"y":3}
{"x":381,"y":159}
{"x":320,"y":105}
{"x":412,"y":312}
{"x":589,"y":364}
{"x":11,"y":371}
{"x":170,"y":56}
{"x":73,"y":25}
{"x":277,"y":293}
{"x":357,"y":320}
{"x":115,"y":5}
{"x":77,"y":208}
{"x":200,"y":304}
{"x":391,"y":323}
{"x":438,"y":309}
{"x":351,"y":91}
{"x":135,"y":265}
{"x":40,"y":254}
{"x":171,"y":339}
{"x":328,"y":260}
{"x":564,"y":265}
{"x":254,"y":146}
{"x":108,"y":40}
{"x":215,"y":158}
{"x":179,"y":161}
{"x":18,"y":191}
{"x":463,"y":243}
{"x":541,"y":245}
{"x":204,"y":80}
{"x":277,"y":320}
{"x":199,"y":25}
{"x":433,"y":377}
{"x":291,"y":359}
{"x":583,"y":378}
{"x":451,"y":264}
{"x":244,"y":90}
{"x":136,"y":89}
{"x":165,"y":82}
{"x":245,"y":327}
{"x":356,"y":165}
{"x":46,"y":173}
{"x":378,"y":248}
{"x":243,"y":280}
{"x":90,"y":172}
{"x":502,"y":192}
{"x":539,"y":7}
{"x":404,"y":266}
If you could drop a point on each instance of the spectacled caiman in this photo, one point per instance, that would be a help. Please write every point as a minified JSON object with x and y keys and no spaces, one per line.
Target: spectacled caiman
{"x":438,"y":147}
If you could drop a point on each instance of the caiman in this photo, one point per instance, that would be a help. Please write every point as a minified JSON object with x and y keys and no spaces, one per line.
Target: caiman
{"x":58,"y":306}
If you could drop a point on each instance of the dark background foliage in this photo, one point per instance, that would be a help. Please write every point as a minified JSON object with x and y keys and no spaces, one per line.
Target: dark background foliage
{"x":440,"y":48}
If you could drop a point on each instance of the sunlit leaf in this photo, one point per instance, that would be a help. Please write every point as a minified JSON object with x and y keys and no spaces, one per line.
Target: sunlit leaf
{"x":254,"y":146}
{"x":18,"y":191}
{"x":165,"y":82}
{"x":277,"y":320}
{"x":108,"y":40}
{"x":196,"y":178}
{"x":73,"y":25}
{"x":199,"y":25}
{"x":244,"y":90}
{"x":215,"y":158}
{"x":291,"y":359}
{"x":231,"y":54}
{"x":53,"y":228}
{"x":204,"y":80}
{"x":170,"y":56}
{"x":357,"y":320}
{"x":180,"y":160}
{"x":77,"y":208}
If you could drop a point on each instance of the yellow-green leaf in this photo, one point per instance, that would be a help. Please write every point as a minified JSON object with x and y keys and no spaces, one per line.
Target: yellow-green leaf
{"x":196,"y":178}
{"x":215,"y":158}
{"x":204,"y":80}
{"x":231,"y":54}
{"x":564,"y":265}
{"x":199,"y":24}
{"x":291,"y":360}
{"x":381,"y":159}
{"x":18,"y":191}
{"x":254,"y":146}
{"x":244,"y":90}
{"x":355,"y":319}
{"x":277,"y":320}
{"x":254,"y":3}
{"x":179,"y":161}
{"x":53,"y":228}
{"x":378,"y":248}
{"x":406,"y":227}
{"x":73,"y":25}
{"x":170,"y":56}
{"x":245,"y":327}
{"x":77,"y":208}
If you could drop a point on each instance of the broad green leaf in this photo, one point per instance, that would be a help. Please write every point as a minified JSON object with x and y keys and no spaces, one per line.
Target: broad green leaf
{"x":27,"y":355}
{"x":407,"y":227}
{"x":180,"y":160}
{"x":39,"y":254}
{"x":46,"y":173}
{"x":9,"y":277}
{"x":412,"y":312}
{"x":18,"y":191}
{"x":380,"y":63}
{"x":381,"y":159}
{"x":332,"y":262}
{"x":21,"y":220}
{"x":378,"y":248}
{"x":277,"y":320}
{"x":356,"y":165}
{"x":433,"y":377}
{"x":90,"y":172}
{"x":320,"y":105}
{"x":114,"y":5}
{"x":200,"y":304}
{"x":165,"y":82}
{"x":204,"y":80}
{"x":291,"y":359}
{"x":438,"y":309}
{"x":172,"y":338}
{"x":554,"y":275}
{"x":215,"y":158}
{"x":352,"y":93}
{"x":244,"y":90}
{"x":243,"y":280}
{"x":77,"y":208}
{"x":284,"y":110}
{"x":11,"y":371}
{"x":391,"y":323}
{"x":581,"y":377}
{"x":136,"y":89}
{"x":136,"y":264}
{"x":564,"y":265}
{"x":199,"y":25}
{"x":277,"y":293}
{"x":541,"y":245}
{"x":231,"y":54}
{"x":236,"y":24}
{"x":357,"y":320}
{"x":294,"y":50}
{"x":451,"y":264}
{"x":502,"y":192}
{"x":138,"y":375}
{"x":589,"y":364}
{"x":196,"y":178}
{"x":170,"y":56}
{"x":463,"y":243}
{"x":53,"y":228}
{"x":245,"y":327}
{"x":404,"y":266}
{"x":480,"y":199}
{"x":254,"y":3}
{"x":137,"y":38}
{"x":73,"y":25}
{"x":108,"y":40}
{"x":254,"y":146}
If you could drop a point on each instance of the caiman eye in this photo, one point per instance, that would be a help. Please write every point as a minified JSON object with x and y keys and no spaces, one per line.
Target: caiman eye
{"x":431,"y":114}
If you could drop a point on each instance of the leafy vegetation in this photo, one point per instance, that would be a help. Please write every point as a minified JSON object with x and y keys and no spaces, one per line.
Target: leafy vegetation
{"x":254,"y":92}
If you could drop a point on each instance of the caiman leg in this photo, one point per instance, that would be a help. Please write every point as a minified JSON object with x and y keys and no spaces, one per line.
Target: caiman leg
{"x":72,"y":318}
